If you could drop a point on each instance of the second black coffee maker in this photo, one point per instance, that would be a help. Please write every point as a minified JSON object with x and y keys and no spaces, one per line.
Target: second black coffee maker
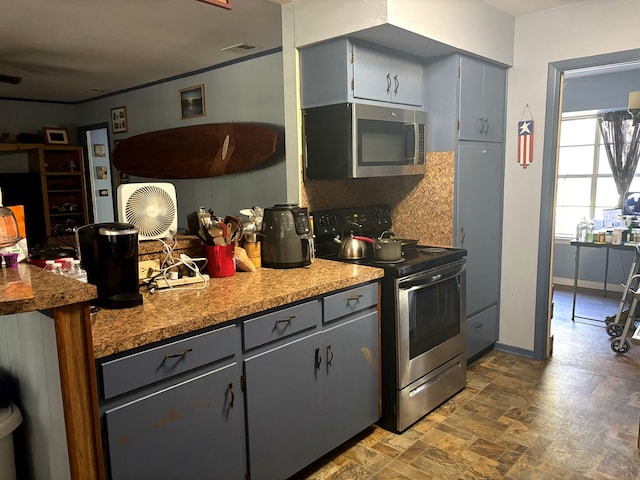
{"x":109,"y":254}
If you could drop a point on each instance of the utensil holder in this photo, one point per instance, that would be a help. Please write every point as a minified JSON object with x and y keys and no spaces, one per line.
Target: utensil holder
{"x":254,"y":253}
{"x":221,"y":261}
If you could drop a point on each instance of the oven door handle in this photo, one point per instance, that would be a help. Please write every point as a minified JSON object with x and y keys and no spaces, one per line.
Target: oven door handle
{"x":421,"y":285}
{"x":424,"y":281}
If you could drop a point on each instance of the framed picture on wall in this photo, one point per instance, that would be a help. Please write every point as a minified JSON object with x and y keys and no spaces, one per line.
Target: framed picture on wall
{"x":101,"y":173}
{"x":100,"y":150}
{"x":219,"y":3}
{"x":119,"y":120}
{"x":55,"y":136}
{"x":191,"y":102}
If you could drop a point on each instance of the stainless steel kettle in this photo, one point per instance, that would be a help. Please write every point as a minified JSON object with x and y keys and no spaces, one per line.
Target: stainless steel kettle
{"x":352,"y":247}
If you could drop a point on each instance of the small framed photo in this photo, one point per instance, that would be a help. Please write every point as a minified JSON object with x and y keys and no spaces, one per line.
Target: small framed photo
{"x":56,"y":136}
{"x":119,"y":120}
{"x":100,"y":150}
{"x":192,"y":102}
{"x":101,"y":173}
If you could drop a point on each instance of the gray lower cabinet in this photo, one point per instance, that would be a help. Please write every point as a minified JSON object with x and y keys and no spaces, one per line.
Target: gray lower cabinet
{"x":191,"y":430}
{"x":307,"y":396}
{"x":175,"y":411}
{"x":482,"y":331}
{"x":187,"y":409}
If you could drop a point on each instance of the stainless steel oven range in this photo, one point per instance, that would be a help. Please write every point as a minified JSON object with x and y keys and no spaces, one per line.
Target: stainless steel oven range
{"x":422,"y":315}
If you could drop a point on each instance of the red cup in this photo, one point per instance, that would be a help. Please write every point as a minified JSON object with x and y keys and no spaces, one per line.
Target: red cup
{"x":221,"y":261}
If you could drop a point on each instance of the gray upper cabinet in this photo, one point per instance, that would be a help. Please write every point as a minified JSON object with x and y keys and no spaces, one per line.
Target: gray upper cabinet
{"x":385,"y":77}
{"x":482,"y":93}
{"x":465,"y":100}
{"x":341,"y":71}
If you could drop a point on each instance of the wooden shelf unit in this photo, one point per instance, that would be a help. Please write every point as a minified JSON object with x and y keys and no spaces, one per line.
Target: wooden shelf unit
{"x":64,"y":193}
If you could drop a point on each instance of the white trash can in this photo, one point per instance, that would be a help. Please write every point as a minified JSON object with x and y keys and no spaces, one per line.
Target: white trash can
{"x":10,"y":419}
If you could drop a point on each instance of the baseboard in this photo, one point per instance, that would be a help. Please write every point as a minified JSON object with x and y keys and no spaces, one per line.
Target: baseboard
{"x":611,"y":287}
{"x":514,"y":350}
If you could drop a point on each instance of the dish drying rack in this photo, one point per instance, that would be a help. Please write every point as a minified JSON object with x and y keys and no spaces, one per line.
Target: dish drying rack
{"x":623,"y":325}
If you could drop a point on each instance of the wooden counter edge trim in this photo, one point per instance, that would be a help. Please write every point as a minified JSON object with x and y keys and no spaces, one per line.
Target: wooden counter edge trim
{"x":79,"y":391}
{"x":379,"y":309}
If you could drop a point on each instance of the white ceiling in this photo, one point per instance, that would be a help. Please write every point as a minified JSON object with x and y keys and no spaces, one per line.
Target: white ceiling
{"x":62,"y":49}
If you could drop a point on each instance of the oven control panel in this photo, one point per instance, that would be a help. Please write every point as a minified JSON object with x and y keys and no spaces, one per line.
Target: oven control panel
{"x":370,"y":221}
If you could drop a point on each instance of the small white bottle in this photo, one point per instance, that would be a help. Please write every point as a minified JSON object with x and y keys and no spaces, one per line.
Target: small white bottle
{"x":76,"y":271}
{"x":57,"y":268}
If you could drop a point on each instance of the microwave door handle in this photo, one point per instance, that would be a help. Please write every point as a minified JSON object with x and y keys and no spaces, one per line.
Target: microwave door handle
{"x":410,"y":146}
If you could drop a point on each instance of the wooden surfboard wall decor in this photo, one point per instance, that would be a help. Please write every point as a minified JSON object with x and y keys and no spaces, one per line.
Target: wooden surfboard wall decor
{"x":197,"y":151}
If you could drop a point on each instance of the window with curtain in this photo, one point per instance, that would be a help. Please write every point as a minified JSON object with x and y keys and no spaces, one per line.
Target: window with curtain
{"x":585,"y":184}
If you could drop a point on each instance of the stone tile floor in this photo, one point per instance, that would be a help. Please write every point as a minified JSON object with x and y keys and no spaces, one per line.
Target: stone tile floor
{"x":574,"y":416}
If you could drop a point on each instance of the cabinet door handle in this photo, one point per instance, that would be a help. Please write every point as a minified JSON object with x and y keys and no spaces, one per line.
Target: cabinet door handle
{"x":318,"y":359}
{"x":486,"y":129}
{"x":461,"y":236}
{"x":355,"y":298}
{"x":329,"y":355}
{"x":388,"y":82}
{"x":233,"y":395}
{"x":285,"y":320}
{"x":478,"y":325}
{"x":397,"y":83}
{"x":181,"y":354}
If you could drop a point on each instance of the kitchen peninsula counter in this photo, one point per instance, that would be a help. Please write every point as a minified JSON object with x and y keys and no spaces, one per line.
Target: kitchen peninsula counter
{"x":45,"y":327}
{"x":165,"y":314}
{"x":28,"y":288}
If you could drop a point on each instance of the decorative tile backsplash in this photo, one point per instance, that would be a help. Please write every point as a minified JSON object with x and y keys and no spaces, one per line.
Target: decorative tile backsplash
{"x":421,"y":206}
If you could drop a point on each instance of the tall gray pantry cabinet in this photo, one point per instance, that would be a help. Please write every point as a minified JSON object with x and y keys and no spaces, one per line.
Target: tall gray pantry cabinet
{"x":465,"y":104}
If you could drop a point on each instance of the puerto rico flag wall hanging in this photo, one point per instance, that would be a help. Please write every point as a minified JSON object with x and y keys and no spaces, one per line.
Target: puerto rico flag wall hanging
{"x":525,"y":142}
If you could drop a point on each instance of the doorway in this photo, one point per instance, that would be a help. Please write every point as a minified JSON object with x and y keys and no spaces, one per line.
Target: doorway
{"x":100,"y":181}
{"x":555,"y":78}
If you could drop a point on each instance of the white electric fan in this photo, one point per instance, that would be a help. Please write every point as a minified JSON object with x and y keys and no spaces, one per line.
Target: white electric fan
{"x":151,"y":207}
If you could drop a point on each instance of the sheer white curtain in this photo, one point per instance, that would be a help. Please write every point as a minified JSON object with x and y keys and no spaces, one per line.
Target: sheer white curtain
{"x":620,"y":138}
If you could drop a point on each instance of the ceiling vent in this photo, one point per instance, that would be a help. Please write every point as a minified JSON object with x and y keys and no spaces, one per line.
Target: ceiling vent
{"x":238,"y":48}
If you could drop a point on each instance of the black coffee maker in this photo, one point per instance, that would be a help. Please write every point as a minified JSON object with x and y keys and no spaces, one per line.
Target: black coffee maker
{"x":109,"y":254}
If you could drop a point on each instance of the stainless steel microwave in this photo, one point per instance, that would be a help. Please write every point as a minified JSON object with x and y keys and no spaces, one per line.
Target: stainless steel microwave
{"x":350,"y":140}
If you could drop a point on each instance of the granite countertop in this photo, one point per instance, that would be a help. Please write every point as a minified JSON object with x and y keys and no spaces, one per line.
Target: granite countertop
{"x":165,"y":314}
{"x":28,"y":288}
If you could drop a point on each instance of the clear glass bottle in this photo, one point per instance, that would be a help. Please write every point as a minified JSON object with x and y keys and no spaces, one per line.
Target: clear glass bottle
{"x":76,"y":271}
{"x":581,"y":230}
{"x":590,"y":234}
{"x":48,"y":265}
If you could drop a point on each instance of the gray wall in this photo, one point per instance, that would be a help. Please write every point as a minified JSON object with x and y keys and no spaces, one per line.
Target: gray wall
{"x":248,"y":91}
{"x":600,"y":92}
{"x":592,"y":266}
